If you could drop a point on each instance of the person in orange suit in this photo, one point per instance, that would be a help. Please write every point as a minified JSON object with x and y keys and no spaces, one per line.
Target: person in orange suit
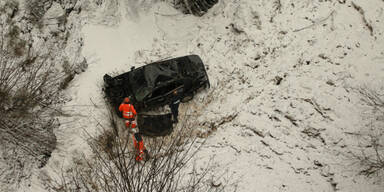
{"x":140,"y":150}
{"x":129,"y":113}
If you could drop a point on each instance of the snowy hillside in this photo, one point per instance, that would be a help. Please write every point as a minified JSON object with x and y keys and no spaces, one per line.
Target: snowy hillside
{"x":284,"y":111}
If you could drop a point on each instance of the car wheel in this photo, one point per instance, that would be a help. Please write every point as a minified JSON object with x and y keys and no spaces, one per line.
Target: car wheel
{"x":187,"y":98}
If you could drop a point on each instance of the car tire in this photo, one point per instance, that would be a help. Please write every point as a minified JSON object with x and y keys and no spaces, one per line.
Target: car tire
{"x":187,"y":98}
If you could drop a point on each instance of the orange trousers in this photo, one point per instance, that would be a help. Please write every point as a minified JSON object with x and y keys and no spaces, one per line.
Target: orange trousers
{"x":139,"y":146}
{"x":130,"y":123}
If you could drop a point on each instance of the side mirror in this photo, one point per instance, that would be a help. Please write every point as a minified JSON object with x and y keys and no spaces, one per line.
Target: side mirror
{"x":107,"y":79}
{"x":132,"y":68}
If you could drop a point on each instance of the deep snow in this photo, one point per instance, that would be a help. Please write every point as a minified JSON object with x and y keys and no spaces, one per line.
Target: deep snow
{"x":294,"y":135}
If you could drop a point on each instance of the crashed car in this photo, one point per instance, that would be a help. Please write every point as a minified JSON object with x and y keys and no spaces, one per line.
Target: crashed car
{"x":151,"y":86}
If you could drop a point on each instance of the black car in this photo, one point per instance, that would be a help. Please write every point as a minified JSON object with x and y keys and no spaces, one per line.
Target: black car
{"x":152,"y":85}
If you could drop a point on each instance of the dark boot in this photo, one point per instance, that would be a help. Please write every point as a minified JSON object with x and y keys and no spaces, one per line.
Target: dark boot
{"x":146,"y":155}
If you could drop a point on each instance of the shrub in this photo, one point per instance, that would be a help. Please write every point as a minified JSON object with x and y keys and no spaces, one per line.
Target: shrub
{"x":113,"y":166}
{"x":28,"y":86}
{"x":372,"y":151}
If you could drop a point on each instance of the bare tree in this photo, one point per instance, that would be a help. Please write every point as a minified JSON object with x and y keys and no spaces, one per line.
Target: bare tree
{"x":28,"y":87}
{"x":113,"y":166}
{"x":371,"y":157}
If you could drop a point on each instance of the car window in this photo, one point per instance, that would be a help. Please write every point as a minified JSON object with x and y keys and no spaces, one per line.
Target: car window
{"x":141,"y":93}
{"x":165,"y":89}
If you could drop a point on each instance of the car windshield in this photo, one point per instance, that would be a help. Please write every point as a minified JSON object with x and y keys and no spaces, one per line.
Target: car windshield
{"x":141,"y":93}
{"x":151,"y":77}
{"x":165,"y":89}
{"x":160,"y":73}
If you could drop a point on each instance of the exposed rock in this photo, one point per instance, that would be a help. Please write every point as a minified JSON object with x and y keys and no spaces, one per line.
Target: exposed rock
{"x":278,"y":80}
{"x":317,"y":163}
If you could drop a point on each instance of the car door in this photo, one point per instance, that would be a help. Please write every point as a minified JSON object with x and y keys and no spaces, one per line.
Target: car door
{"x":155,"y":125}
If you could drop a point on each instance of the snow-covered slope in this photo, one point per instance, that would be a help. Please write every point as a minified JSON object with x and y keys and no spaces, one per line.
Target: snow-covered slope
{"x":282,"y":109}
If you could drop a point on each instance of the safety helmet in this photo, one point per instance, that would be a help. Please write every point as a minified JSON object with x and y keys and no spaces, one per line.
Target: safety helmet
{"x":126,"y":100}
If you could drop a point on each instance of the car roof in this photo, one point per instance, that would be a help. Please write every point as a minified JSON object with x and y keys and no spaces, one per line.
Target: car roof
{"x":144,"y":79}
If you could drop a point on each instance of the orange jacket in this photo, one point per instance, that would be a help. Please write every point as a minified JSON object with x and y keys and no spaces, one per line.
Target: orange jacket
{"x":128,"y":110}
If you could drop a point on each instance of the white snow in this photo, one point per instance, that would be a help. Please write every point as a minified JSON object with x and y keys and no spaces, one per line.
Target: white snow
{"x":245,"y":44}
